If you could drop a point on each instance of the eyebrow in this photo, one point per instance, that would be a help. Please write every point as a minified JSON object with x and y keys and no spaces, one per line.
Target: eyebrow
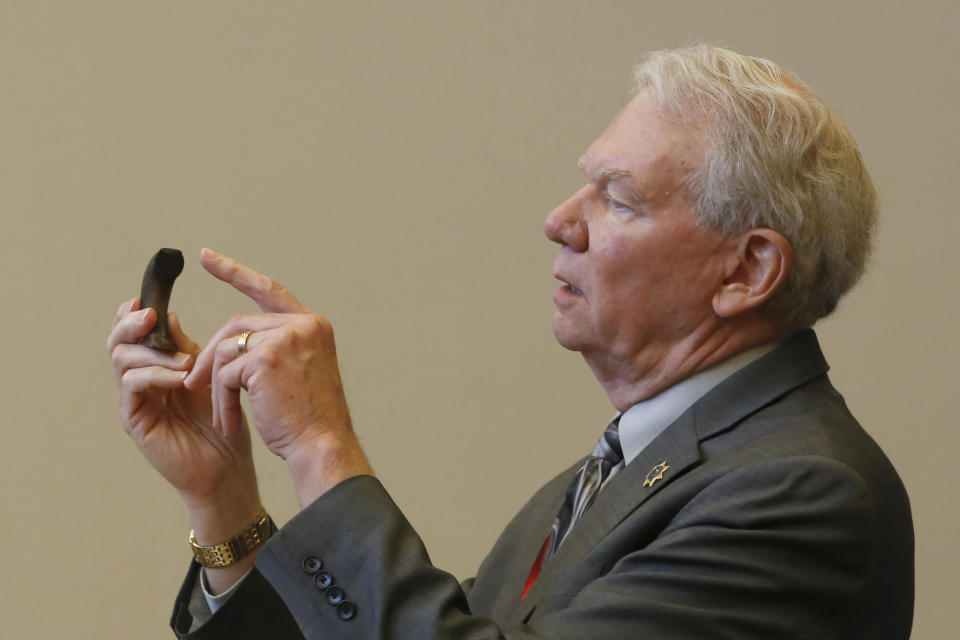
{"x":607,"y":174}
{"x":613,"y":174}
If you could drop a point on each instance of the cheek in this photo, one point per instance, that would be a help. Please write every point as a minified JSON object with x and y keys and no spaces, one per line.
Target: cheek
{"x":620,"y":263}
{"x":640,"y":262}
{"x":673,"y":269}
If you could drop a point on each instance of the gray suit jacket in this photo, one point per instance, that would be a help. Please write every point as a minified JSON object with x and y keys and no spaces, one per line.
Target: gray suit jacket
{"x":777,"y":517}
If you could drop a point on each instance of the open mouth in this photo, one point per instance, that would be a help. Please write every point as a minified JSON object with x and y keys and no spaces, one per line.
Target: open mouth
{"x":567,"y":287}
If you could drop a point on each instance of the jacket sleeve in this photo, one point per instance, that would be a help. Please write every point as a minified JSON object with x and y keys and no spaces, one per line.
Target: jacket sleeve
{"x":253,"y":611}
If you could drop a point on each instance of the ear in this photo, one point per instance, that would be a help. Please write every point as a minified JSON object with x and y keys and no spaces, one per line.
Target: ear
{"x":760,"y":264}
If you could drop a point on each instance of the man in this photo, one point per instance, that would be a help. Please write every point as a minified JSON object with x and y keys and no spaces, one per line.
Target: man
{"x":725,"y":211}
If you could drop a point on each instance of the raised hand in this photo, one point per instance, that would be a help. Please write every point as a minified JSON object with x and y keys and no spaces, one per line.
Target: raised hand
{"x":290,"y":371}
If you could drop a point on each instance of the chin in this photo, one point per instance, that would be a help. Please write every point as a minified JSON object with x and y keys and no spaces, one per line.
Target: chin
{"x":565,"y":335}
{"x":569,"y":346}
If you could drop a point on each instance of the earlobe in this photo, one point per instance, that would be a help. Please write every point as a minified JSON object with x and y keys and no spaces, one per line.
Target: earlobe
{"x":758,"y":269}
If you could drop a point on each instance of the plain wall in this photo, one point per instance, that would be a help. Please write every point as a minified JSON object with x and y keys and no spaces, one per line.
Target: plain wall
{"x":392,"y":164}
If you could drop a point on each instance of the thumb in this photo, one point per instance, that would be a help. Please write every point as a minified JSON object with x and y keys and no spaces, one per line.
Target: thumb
{"x":184,"y":343}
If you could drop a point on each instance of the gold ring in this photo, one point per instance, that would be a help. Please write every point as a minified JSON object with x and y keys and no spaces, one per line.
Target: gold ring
{"x":242,"y":342}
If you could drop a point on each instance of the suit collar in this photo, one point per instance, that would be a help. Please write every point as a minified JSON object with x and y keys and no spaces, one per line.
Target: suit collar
{"x":796,"y":361}
{"x":644,"y":421}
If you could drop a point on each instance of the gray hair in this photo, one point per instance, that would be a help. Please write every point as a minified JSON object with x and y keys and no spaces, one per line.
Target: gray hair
{"x":778,"y":158}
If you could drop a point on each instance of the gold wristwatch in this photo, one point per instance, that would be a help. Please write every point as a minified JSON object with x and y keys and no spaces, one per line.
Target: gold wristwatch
{"x":240,"y":545}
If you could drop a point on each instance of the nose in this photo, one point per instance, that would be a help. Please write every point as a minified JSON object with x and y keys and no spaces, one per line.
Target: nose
{"x":567,"y":225}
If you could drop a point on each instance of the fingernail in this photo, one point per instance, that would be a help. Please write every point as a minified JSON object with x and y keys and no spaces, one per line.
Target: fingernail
{"x":209,"y":253}
{"x":183,"y":357}
{"x":143,"y":313}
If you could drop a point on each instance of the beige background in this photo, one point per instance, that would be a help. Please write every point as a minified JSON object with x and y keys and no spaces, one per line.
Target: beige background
{"x":392,"y":163}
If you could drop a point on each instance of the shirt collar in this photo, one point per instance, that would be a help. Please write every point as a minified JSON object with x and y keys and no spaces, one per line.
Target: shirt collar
{"x":644,"y":421}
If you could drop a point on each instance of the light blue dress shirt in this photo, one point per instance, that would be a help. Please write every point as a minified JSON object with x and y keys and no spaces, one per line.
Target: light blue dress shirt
{"x":644,"y":421}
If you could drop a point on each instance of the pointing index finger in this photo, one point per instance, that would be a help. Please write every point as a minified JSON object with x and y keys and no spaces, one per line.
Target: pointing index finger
{"x":264,"y":290}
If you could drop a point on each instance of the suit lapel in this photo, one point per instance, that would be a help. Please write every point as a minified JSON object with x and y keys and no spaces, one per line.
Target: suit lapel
{"x":677,"y":446}
{"x":676,"y":450}
{"x":534,"y":529}
{"x":626,"y":492}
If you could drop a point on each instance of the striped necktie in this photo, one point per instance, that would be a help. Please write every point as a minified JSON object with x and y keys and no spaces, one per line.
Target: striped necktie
{"x":607,"y":457}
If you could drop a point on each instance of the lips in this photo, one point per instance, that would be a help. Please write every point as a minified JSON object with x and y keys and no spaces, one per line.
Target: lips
{"x":568,"y":286}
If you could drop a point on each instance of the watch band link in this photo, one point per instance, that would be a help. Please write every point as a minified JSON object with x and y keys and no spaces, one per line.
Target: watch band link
{"x":230,"y":551}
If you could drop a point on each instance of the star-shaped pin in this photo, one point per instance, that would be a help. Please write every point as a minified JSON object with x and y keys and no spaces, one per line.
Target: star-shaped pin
{"x":656,"y":473}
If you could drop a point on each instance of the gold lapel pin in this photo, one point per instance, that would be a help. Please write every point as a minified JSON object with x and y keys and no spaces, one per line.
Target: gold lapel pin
{"x":656,"y":473}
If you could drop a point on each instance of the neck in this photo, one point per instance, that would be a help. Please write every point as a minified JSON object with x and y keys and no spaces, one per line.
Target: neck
{"x":653,"y":370}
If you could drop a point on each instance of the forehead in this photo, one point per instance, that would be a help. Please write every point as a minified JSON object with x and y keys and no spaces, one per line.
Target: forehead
{"x":656,"y":151}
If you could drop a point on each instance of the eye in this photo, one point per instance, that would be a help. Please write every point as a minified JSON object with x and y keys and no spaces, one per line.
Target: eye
{"x":618,"y":206}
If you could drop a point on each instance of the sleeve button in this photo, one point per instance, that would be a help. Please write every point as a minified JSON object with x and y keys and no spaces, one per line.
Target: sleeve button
{"x":322,"y":580}
{"x":335,"y":595}
{"x":311,"y":564}
{"x":346,"y":610}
